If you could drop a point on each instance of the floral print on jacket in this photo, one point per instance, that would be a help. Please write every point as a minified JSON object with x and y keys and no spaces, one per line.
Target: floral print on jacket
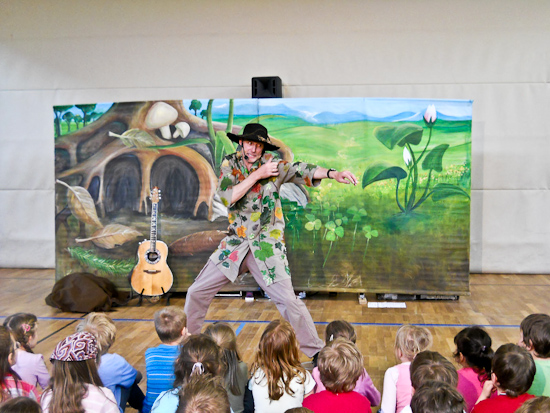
{"x":256,"y":221}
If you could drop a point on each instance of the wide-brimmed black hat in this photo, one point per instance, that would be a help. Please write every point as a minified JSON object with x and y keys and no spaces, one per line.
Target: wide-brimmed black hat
{"x":254,"y":132}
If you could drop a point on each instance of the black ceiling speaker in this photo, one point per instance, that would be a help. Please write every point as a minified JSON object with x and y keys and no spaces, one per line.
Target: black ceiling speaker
{"x":267,"y":87}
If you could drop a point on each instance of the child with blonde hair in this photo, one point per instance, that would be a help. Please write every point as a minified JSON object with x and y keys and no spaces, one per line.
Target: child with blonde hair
{"x":115,"y":372}
{"x":11,"y":385}
{"x":364,"y":384}
{"x":340,"y":366}
{"x":234,"y":370}
{"x":29,"y":366}
{"x":409,"y":341}
{"x":279,"y":381}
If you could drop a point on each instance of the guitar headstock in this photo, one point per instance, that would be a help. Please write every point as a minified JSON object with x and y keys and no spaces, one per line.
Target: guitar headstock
{"x":155,"y":195}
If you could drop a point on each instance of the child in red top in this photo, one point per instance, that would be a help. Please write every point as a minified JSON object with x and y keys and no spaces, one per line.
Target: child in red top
{"x":513,"y":374}
{"x":340,"y":365}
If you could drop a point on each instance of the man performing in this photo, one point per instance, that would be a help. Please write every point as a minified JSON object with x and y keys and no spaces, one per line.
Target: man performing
{"x":249,"y":186}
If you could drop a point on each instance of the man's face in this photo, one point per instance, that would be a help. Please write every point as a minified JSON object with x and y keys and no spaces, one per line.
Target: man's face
{"x":252,"y":150}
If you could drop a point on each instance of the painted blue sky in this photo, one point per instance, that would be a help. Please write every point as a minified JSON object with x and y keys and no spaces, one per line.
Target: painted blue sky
{"x":381,"y":108}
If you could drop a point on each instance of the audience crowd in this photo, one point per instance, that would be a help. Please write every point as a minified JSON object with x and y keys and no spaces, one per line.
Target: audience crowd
{"x":204,"y":373}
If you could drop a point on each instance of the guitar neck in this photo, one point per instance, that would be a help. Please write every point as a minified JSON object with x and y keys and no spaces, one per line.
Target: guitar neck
{"x":154,"y":214}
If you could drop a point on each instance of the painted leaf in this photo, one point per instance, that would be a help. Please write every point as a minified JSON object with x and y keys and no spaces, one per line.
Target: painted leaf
{"x":442,"y":191}
{"x":187,"y":142}
{"x":331,"y":236}
{"x":381,"y":171}
{"x":399,"y":135}
{"x":318,"y":224}
{"x":339,"y":231}
{"x":103,"y":265}
{"x":434,"y":159}
{"x":198,"y":242}
{"x":82,"y":205}
{"x":111,"y":236}
{"x":330,"y":225}
{"x":135,"y":138}
{"x":255,"y":216}
{"x":276,"y":233}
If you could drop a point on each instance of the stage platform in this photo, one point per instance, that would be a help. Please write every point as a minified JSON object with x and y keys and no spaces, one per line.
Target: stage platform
{"x":498,"y":302}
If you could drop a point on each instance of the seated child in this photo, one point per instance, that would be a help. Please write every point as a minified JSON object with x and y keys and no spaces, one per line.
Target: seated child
{"x":340,"y":366}
{"x":430,"y":366}
{"x":513,"y":373}
{"x":535,"y":337}
{"x":171,"y":327}
{"x":29,"y":366}
{"x":364,"y":385}
{"x":474,"y":354}
{"x":20,"y":404}
{"x":279,"y":381}
{"x":75,"y":385}
{"x":115,"y":372}
{"x":409,"y":341}
{"x":234,"y":370}
{"x":204,"y":394}
{"x":437,"y":397}
{"x":199,"y":355}
{"x":11,"y":385}
{"x":539,"y":404}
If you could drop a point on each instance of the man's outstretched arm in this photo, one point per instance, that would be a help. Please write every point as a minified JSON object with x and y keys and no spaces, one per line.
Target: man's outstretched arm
{"x":344,"y":177}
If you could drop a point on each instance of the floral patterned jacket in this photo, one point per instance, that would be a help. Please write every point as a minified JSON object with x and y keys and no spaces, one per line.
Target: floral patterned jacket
{"x":256,"y":222}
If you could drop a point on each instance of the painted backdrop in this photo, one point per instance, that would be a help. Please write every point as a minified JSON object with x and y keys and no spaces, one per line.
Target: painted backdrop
{"x":404,"y":229}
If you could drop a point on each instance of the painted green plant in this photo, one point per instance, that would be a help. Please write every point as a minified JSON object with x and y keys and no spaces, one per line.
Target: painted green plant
{"x":406,"y":136}
{"x":334,"y":231}
{"x":220,"y":143}
{"x":313,"y":224}
{"x":369,"y":233}
{"x":356,"y":216}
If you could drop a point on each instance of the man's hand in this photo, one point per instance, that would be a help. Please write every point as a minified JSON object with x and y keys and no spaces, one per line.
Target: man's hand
{"x":344,"y":177}
{"x":267,"y":170}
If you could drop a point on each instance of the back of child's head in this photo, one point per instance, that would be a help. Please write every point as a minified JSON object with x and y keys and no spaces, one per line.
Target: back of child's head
{"x":437,"y":397}
{"x":203,"y":394}
{"x":340,"y":328}
{"x":474,"y":344}
{"x":169,"y":323}
{"x":278,"y":357}
{"x":102,"y":327}
{"x":225,"y":337}
{"x":411,"y":340}
{"x":299,"y":410}
{"x":432,"y":366}
{"x":514,"y":369}
{"x":74,"y":368}
{"x":539,"y":404}
{"x":340,"y":366}
{"x":20,"y":405}
{"x":7,"y":358}
{"x":23,"y":327}
{"x":199,"y":354}
{"x":535,"y":329}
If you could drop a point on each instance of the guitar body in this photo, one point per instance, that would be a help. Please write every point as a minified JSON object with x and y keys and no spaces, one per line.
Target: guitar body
{"x":151,"y":275}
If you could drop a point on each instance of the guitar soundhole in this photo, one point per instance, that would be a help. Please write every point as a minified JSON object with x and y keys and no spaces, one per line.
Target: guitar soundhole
{"x":152,"y":257}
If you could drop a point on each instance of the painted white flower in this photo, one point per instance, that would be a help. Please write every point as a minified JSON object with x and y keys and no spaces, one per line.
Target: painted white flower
{"x":431,"y":115}
{"x":407,"y":157}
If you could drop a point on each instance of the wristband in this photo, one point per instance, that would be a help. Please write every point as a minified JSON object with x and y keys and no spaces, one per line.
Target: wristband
{"x":329,"y":171}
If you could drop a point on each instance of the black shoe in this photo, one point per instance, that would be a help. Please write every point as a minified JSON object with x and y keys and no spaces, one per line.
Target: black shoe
{"x":314,"y":359}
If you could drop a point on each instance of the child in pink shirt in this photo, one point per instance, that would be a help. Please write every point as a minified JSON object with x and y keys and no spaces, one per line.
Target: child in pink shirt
{"x":364,"y":384}
{"x":29,"y":366}
{"x":409,"y":341}
{"x":474,"y":354}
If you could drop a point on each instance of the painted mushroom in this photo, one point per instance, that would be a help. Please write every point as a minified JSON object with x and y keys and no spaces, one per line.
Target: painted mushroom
{"x":161,"y":116}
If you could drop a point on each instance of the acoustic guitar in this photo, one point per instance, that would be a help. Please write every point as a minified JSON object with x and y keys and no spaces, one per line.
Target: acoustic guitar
{"x":151,"y":275}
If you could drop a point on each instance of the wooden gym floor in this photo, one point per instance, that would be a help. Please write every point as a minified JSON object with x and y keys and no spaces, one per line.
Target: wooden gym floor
{"x":497,"y":302}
